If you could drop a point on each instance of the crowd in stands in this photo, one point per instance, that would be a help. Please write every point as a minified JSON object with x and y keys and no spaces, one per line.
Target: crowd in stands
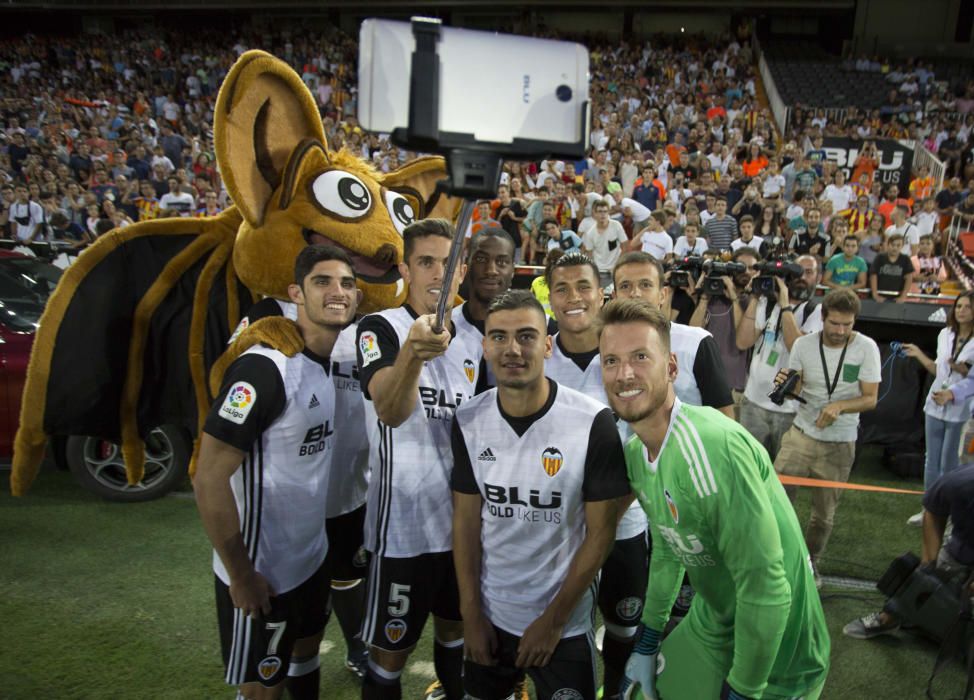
{"x":682,"y":151}
{"x":939,"y":114}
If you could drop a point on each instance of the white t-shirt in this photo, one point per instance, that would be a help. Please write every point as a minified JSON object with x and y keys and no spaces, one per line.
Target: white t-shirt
{"x":954,"y":412}
{"x":860,"y":364}
{"x":182,"y":202}
{"x":755,"y":242}
{"x":605,"y":246}
{"x":683,"y":247}
{"x":773,"y":185}
{"x":639,"y":212}
{"x":839,"y":196}
{"x":26,"y":217}
{"x":910,"y":233}
{"x":770,"y":353}
{"x":926,"y":222}
{"x":658,"y":244}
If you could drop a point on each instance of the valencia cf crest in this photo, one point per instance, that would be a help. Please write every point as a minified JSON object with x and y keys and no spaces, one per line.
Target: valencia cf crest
{"x":672,"y":506}
{"x":395,"y":630}
{"x":551,"y":460}
{"x":268,"y":667}
{"x":469,"y":368}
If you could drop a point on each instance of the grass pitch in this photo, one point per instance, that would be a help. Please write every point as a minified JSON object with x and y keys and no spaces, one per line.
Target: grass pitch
{"x":104,"y":600}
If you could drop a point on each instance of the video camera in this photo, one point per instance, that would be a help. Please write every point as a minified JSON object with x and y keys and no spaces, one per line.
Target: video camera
{"x":764,"y":283}
{"x":680,"y":269}
{"x":713,"y":285}
{"x":922,"y":596}
{"x":786,"y":390}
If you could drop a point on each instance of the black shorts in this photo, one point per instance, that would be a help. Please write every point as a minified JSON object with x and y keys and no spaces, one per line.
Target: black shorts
{"x":258,"y":649}
{"x":622,"y":587}
{"x":570,"y":675}
{"x":347,"y":558}
{"x":403,"y":592}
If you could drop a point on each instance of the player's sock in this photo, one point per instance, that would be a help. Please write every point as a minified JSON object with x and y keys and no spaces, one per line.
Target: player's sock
{"x":304,"y":677}
{"x":380,"y":684}
{"x":448,"y":661}
{"x":348,"y":602}
{"x":615,"y":653}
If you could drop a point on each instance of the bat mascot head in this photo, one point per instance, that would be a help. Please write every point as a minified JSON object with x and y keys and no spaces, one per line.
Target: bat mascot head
{"x":131,"y":333}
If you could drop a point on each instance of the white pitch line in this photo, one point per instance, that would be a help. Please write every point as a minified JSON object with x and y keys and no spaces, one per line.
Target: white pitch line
{"x":424,"y":669}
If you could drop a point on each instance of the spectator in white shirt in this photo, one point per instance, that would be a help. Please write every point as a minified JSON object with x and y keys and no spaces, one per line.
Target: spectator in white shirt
{"x":839,"y":193}
{"x":603,"y":242}
{"x":690,"y":243}
{"x":774,"y":182}
{"x":927,"y":218}
{"x":902,"y":227}
{"x":622,"y":206}
{"x":654,"y":240}
{"x":747,"y":238}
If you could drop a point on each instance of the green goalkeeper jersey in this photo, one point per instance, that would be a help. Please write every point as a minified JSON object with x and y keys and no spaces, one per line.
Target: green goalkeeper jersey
{"x":718,"y":512}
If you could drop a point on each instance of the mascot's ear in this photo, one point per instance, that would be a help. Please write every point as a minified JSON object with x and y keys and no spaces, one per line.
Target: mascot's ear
{"x":262,"y":113}
{"x":417,"y":182}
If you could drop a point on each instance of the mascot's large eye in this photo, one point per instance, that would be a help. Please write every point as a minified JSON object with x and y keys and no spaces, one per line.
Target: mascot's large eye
{"x":343,"y":194}
{"x":400,"y":210}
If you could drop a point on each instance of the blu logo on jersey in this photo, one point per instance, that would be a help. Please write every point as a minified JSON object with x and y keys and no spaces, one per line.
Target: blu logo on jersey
{"x":690,"y":550}
{"x":315,"y":439}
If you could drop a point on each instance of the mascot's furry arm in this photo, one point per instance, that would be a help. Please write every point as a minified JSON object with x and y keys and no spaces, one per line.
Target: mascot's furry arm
{"x":128,"y":338}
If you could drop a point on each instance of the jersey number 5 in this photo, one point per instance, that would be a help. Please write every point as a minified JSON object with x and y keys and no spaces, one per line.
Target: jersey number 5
{"x":398,"y":600}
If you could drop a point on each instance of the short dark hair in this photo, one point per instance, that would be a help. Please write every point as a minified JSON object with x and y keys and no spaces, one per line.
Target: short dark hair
{"x":620,"y":311}
{"x":545,"y":222}
{"x":746,"y":219}
{"x":314,"y":254}
{"x":424,"y":228}
{"x":843,"y":301}
{"x":600,"y":204}
{"x":746,"y":250}
{"x":485,"y":233}
{"x":514,"y":299}
{"x":638,"y":257}
{"x":573,"y":259}
{"x":850,"y":237}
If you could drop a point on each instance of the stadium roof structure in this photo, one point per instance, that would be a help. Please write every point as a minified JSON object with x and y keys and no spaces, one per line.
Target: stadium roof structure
{"x":319,"y":6}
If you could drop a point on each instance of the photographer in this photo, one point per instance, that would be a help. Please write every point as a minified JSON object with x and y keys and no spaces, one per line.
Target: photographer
{"x":722,"y":313}
{"x":771,"y":326}
{"x":951,"y":496}
{"x":838,"y":377}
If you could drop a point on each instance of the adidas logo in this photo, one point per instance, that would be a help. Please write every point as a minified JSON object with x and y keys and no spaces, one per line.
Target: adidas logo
{"x":314,"y":402}
{"x":487,"y":456}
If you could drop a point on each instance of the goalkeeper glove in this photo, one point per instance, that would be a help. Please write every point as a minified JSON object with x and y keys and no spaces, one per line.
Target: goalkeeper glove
{"x":641,"y":667}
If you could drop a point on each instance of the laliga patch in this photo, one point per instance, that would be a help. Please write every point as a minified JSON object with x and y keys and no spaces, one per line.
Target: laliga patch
{"x":567,"y":694}
{"x":674,"y":512}
{"x":238,"y":403}
{"x":268,"y":667}
{"x":368,"y":345}
{"x":241,"y":327}
{"x":469,"y":368}
{"x":629,"y":608}
{"x":395,"y":630}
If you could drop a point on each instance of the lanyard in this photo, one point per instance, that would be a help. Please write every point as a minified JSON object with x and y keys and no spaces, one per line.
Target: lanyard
{"x":825,"y":368}
{"x":958,"y":348}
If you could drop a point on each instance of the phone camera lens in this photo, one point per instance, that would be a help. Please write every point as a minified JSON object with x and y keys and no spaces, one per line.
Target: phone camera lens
{"x":563,"y":93}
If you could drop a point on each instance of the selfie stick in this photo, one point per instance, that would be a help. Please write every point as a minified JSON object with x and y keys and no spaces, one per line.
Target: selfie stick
{"x":466,"y":213}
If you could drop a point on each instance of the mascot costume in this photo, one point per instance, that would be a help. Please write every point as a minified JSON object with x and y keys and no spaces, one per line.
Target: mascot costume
{"x":133,"y":331}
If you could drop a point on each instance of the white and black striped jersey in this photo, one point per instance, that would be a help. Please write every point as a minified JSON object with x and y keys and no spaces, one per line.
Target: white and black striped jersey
{"x":701,"y":379}
{"x":280,"y":411}
{"x":535,"y":474}
{"x":409,"y":509}
{"x":350,"y":467}
{"x":583,"y":372}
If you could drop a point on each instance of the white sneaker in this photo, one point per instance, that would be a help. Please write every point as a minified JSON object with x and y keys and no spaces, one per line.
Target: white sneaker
{"x":916,"y":520}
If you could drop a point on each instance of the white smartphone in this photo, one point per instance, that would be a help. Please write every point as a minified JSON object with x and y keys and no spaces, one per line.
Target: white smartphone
{"x":524,"y":96}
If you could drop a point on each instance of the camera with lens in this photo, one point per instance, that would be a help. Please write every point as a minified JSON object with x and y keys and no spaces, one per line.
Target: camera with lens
{"x":713,"y":285}
{"x":681,"y":268}
{"x":786,"y":390}
{"x":767,"y":271}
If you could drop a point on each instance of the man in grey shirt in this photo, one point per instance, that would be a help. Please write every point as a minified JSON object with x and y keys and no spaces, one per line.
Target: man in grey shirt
{"x":839,"y":371}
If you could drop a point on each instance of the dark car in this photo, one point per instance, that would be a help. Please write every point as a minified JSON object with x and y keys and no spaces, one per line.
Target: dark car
{"x":25,"y":285}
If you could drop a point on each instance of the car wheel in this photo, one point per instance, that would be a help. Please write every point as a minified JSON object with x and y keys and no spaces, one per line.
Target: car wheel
{"x":98,"y":466}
